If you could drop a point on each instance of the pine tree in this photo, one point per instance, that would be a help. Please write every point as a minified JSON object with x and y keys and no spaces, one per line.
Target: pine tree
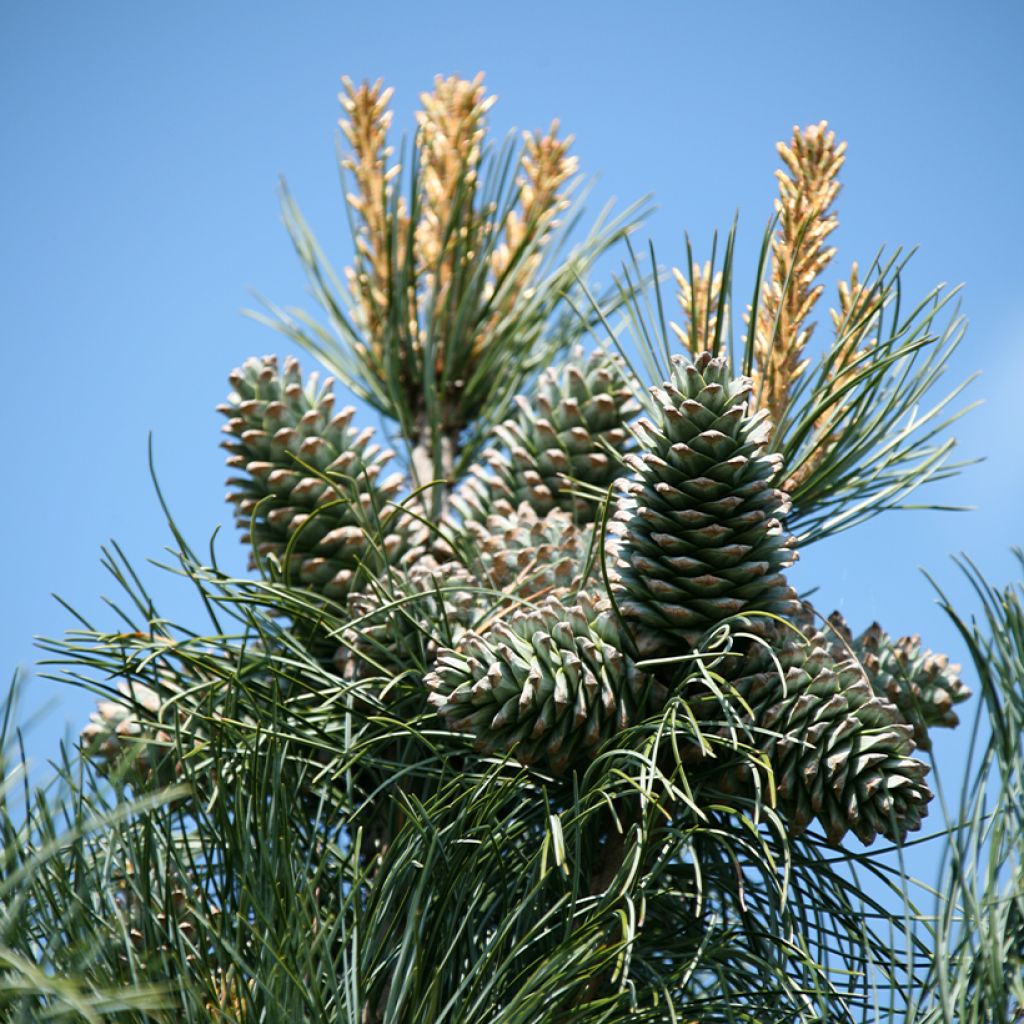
{"x":526,"y":722}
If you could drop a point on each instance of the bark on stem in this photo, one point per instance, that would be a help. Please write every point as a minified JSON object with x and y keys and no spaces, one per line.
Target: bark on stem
{"x":612,"y":856}
{"x":427,"y":471}
{"x":435,"y":476}
{"x":608,"y":864}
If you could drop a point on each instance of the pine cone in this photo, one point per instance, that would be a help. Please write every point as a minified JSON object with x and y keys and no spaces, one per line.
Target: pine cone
{"x":433,"y":604}
{"x":527,"y":555}
{"x":923,"y":686}
{"x":572,"y":435}
{"x":127,"y":738}
{"x":838,"y":751}
{"x":310,"y":493}
{"x":549,"y":684}
{"x":702,"y":537}
{"x":518,"y":556}
{"x":160,"y":913}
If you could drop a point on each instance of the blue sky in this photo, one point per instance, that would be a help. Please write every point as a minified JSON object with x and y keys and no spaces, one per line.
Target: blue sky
{"x":142,"y":149}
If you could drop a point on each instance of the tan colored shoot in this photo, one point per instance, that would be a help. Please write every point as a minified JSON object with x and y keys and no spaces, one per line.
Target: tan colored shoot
{"x":453,"y":231}
{"x":851,"y":322}
{"x":699,"y":302}
{"x":461,"y":270}
{"x":546,"y":170}
{"x":365,"y":126}
{"x":449,"y":138}
{"x":799,"y":255}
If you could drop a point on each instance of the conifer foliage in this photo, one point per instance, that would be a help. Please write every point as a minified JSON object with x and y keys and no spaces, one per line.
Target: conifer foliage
{"x":525,"y":722}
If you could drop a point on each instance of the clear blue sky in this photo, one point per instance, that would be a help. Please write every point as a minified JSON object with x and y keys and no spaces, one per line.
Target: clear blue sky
{"x":142,"y":145}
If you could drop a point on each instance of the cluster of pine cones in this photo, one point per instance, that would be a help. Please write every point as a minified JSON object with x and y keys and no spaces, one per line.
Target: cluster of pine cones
{"x":596,"y":567}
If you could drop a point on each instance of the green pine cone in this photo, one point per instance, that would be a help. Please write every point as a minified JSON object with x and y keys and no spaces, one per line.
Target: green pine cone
{"x":839,"y":752}
{"x":571,"y":435}
{"x":515,"y":556}
{"x":702,"y":537}
{"x":527,"y":555}
{"x":309,"y":490}
{"x":923,"y":686}
{"x":134,"y":737}
{"x":431,"y":605}
{"x":547,"y":684}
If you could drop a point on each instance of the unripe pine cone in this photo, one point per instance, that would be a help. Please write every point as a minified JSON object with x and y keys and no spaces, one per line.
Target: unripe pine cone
{"x":159,"y":913}
{"x":523,"y":554}
{"x":132,"y":736}
{"x":923,"y":686}
{"x":431,"y":604}
{"x":309,"y":488}
{"x":839,"y":752}
{"x":571,"y":432}
{"x":549,"y":684}
{"x":516,"y":556}
{"x":701,"y":531}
